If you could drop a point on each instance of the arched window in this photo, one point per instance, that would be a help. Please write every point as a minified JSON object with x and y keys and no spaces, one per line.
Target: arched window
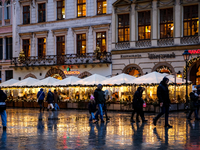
{"x":7,"y":10}
{"x":164,"y":69}
{"x":133,"y":70}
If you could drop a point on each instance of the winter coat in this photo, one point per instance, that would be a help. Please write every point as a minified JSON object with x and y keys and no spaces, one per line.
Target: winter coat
{"x":163,"y":94}
{"x":41,"y":96}
{"x":91,"y":107}
{"x":99,"y":96}
{"x":50,"y":97}
{"x":137,"y":99}
{"x":56,"y":97}
{"x":3,"y":97}
{"x":193,"y":101}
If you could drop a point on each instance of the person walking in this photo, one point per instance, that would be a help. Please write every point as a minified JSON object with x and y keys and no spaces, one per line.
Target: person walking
{"x":56,"y":100}
{"x":50,"y":100}
{"x":138,"y":105}
{"x":41,"y":96}
{"x":3,"y":97}
{"x":106,"y":93}
{"x":100,"y":100}
{"x":198,"y":92}
{"x":92,"y":109}
{"x":193,"y":105}
{"x":163,"y":96}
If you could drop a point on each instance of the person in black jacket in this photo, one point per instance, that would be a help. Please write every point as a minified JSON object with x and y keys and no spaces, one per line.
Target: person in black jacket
{"x":92,"y":109}
{"x":163,"y":96}
{"x":138,"y":105}
{"x":3,"y":97}
{"x":193,"y":105}
{"x":50,"y":100}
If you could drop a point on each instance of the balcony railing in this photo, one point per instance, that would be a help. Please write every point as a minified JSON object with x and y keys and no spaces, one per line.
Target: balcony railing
{"x":165,"y":42}
{"x":144,"y":43}
{"x":122,"y":45}
{"x":68,"y":59}
{"x":190,"y":40}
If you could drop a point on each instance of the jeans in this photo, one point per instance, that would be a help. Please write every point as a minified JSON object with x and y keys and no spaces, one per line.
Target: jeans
{"x":164,"y":110}
{"x":100,"y":111}
{"x":3,"y":117}
{"x":91,"y":117}
{"x":56,"y":107}
{"x":50,"y":106}
{"x":195,"y":112}
{"x":40,"y":102}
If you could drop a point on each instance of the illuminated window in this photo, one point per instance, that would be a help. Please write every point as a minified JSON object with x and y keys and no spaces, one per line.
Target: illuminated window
{"x":191,"y":23}
{"x":60,"y":10}
{"x":101,"y":7}
{"x":81,"y":8}
{"x":26,"y":14}
{"x":101,"y":41}
{"x":42,"y":12}
{"x":166,"y":23}
{"x":81,"y":44}
{"x":144,"y":25}
{"x":41,"y":47}
{"x":164,"y":69}
{"x":123,"y":28}
{"x":26,"y":47}
{"x":198,"y":76}
{"x":133,"y":72}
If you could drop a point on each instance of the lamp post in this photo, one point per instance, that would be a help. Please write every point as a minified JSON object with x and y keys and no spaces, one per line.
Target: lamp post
{"x":186,"y":56}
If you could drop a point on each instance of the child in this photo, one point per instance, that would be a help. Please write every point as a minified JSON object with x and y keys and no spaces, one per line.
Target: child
{"x":193,"y":105}
{"x":92,"y":109}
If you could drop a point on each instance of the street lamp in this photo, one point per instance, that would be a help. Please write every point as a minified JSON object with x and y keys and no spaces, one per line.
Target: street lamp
{"x":186,"y":56}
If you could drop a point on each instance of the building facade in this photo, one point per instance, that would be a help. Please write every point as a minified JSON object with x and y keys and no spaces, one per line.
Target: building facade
{"x":152,"y":36}
{"x":61,"y":38}
{"x":6,"y":7}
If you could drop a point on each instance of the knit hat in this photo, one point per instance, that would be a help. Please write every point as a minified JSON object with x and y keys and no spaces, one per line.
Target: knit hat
{"x":49,"y":90}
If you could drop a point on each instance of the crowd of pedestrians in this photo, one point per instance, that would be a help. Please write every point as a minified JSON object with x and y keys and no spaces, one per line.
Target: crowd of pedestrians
{"x":97,"y":105}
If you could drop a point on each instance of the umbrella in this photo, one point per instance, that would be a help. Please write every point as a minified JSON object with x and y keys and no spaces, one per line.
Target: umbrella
{"x":67,"y":81}
{"x":26,"y":82}
{"x":8,"y":83}
{"x":45,"y":82}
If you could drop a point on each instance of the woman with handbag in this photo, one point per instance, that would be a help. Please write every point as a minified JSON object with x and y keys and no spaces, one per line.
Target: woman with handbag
{"x":137,"y":105}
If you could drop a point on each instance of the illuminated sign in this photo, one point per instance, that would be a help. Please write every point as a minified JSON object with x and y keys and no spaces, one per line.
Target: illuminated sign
{"x":71,"y":72}
{"x":194,"y":51}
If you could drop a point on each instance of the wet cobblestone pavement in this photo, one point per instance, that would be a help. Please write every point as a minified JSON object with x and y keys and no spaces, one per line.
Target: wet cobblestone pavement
{"x":73,"y":131}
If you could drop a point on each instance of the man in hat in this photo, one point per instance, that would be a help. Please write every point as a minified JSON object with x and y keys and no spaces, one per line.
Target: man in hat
{"x":100,"y":100}
{"x":163,"y":96}
{"x":3,"y":97}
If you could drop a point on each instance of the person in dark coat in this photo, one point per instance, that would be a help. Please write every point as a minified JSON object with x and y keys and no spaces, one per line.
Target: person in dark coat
{"x":50,"y":100}
{"x":138,"y":105}
{"x":56,"y":100}
{"x":198,"y":92}
{"x":92,"y":109}
{"x":100,"y":100}
{"x":163,"y":96}
{"x":3,"y":97}
{"x":41,"y":96}
{"x":193,"y":105}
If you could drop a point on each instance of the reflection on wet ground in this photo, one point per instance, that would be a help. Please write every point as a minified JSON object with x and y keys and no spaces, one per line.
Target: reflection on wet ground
{"x":70,"y":129}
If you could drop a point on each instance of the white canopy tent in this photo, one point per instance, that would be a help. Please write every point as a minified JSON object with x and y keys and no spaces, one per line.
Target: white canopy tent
{"x":120,"y":79}
{"x":8,"y":83}
{"x":67,"y":81}
{"x":94,"y":79}
{"x":26,"y":82}
{"x":45,"y":82}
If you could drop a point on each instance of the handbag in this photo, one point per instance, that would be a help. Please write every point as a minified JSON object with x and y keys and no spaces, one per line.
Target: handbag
{"x":39,"y":97}
{"x":144,"y":105}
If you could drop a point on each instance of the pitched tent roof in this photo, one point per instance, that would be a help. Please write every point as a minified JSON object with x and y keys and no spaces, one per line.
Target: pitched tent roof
{"x":120,"y":79}
{"x":46,"y":82}
{"x":94,"y":79}
{"x":26,"y":82}
{"x":67,"y":81}
{"x":8,"y":83}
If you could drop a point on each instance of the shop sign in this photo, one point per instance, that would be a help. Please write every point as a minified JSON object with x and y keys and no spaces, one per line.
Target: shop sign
{"x":194,"y":51}
{"x":131,"y":56}
{"x":71,"y":72}
{"x":162,"y":56}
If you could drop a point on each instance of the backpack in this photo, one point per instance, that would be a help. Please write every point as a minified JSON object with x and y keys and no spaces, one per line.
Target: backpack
{"x":3,"y":97}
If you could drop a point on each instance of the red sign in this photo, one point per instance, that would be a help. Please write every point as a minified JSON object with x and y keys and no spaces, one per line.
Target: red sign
{"x":71,"y":72}
{"x":194,"y":51}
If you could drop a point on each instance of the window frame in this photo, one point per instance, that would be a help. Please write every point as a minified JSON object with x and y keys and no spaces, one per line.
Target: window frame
{"x":43,"y":12}
{"x":1,"y":48}
{"x":101,"y":40}
{"x":123,"y":28}
{"x":145,"y":25}
{"x":80,"y":53}
{"x":63,"y":6}
{"x":27,"y":12}
{"x":27,"y":53}
{"x":101,"y":1}
{"x":42,"y":44}
{"x":9,"y":53}
{"x":57,"y":46}
{"x":79,"y":4}
{"x":6,"y":73}
{"x":190,"y":20}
